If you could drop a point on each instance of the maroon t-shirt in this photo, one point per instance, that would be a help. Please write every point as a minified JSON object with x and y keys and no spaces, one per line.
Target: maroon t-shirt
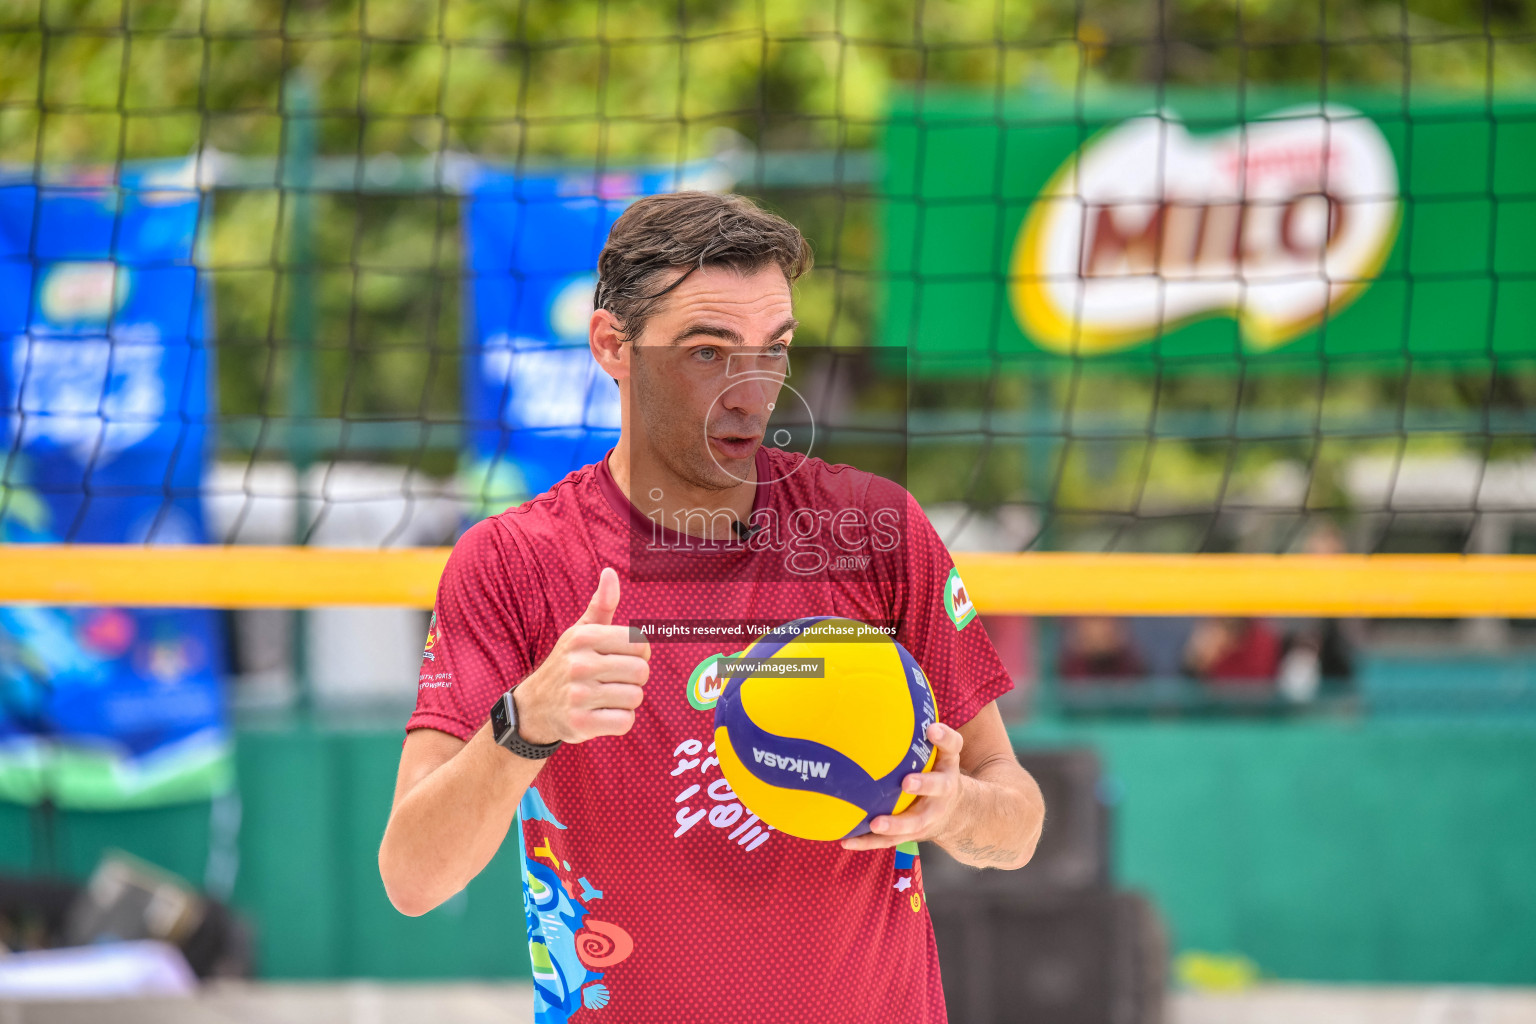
{"x":651,"y":894}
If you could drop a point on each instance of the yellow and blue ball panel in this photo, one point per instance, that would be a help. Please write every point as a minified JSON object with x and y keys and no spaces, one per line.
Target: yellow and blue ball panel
{"x":819,"y":758}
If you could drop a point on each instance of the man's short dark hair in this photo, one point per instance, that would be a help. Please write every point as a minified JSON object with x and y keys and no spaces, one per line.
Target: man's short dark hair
{"x":688,"y":230}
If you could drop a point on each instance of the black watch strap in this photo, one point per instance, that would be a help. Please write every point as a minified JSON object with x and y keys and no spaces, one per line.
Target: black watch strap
{"x":504,"y":729}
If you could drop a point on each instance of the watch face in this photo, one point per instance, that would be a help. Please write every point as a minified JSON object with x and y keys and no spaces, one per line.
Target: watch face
{"x":500,"y":720}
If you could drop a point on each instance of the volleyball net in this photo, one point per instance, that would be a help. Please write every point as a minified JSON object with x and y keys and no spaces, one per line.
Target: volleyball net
{"x":1196,"y":311}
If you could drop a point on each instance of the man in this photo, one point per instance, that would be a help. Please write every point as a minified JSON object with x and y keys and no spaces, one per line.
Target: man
{"x":650,"y":892}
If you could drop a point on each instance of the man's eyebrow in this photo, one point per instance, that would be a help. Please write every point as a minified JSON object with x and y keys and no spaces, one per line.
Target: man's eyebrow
{"x":730,"y":334}
{"x":784,"y":328}
{"x":709,"y":331}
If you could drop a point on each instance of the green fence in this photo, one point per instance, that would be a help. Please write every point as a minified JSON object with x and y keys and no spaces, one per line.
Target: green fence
{"x":1396,"y":851}
{"x":1331,"y":851}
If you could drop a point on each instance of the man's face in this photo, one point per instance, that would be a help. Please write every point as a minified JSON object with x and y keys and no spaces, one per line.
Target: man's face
{"x":707,"y":370}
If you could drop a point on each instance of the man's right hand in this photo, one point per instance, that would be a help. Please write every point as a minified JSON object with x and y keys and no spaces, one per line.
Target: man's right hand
{"x":591,"y":683}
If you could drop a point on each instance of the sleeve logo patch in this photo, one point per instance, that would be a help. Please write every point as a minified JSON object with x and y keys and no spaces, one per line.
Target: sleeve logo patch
{"x":432,"y":637}
{"x":957,"y":602}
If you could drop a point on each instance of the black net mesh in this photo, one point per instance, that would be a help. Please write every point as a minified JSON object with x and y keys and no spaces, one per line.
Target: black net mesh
{"x":1231,"y":330}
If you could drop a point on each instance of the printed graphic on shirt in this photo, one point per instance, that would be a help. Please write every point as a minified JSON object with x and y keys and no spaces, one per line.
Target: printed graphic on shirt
{"x":429,"y":678}
{"x":957,"y":602}
{"x":705,"y":684}
{"x":568,"y":948}
{"x":432,"y":635}
{"x":909,"y":876}
{"x":712,"y":800}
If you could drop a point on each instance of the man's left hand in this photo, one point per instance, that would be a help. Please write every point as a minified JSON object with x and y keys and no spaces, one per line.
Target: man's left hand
{"x":931,"y":815}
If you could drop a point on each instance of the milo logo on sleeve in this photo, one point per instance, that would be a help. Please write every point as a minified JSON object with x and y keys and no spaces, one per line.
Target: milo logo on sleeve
{"x":957,"y":602}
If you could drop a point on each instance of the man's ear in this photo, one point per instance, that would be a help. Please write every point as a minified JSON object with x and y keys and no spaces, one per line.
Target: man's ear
{"x":608,"y":346}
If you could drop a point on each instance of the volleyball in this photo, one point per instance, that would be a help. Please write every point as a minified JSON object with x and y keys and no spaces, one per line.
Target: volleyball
{"x":819,"y":721}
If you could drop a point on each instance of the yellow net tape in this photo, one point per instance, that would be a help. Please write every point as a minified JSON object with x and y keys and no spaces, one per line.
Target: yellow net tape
{"x":1450,"y":586}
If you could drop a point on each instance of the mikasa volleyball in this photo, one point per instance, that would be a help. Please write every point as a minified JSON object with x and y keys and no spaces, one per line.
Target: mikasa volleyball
{"x":819,"y":721}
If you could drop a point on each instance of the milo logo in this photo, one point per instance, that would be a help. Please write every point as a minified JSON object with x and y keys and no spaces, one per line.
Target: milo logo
{"x":1279,"y":222}
{"x":957,"y":602}
{"x":705,"y":683}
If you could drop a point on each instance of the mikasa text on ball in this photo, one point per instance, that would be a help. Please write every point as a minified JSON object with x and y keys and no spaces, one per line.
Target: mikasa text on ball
{"x":820,"y":755}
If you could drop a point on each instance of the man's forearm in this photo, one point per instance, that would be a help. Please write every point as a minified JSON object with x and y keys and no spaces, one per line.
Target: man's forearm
{"x":448,"y":827}
{"x":998,"y":819}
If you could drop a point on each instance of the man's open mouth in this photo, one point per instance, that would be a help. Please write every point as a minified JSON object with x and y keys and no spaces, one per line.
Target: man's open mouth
{"x":736,"y":446}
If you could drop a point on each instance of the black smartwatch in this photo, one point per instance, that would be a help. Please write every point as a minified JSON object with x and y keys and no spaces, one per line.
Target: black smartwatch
{"x":504,"y":729}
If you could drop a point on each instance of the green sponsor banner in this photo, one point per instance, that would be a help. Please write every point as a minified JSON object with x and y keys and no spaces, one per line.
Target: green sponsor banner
{"x":1208,"y":230}
{"x":77,"y":777}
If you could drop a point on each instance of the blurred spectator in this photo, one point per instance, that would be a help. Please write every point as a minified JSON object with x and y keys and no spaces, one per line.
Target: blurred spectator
{"x":1237,"y":651}
{"x":1159,"y":640}
{"x":1318,"y":650}
{"x":1099,"y":647}
{"x":1014,"y":638}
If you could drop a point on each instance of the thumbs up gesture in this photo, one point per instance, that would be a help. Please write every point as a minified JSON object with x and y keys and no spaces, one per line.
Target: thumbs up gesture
{"x":593,"y":680}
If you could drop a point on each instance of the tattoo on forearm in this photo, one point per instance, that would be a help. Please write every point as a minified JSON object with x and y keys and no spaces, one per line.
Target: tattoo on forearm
{"x":995,"y":808}
{"x":988,"y":853}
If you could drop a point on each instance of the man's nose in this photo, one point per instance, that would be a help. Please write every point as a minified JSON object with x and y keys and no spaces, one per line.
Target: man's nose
{"x":753,"y":396}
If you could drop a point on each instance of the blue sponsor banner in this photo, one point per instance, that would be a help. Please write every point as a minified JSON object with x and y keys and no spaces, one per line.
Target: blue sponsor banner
{"x":537,"y":404}
{"x":104,"y":376}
